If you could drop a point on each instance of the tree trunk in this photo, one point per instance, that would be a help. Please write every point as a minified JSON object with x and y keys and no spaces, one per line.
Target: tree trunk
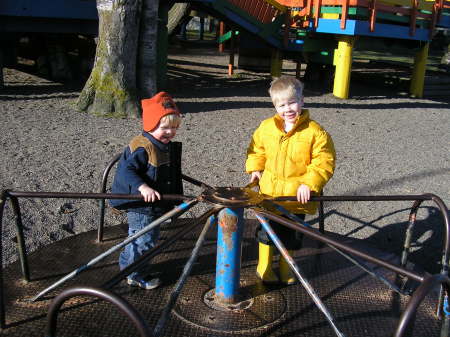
{"x":146,"y":60}
{"x":111,"y":88}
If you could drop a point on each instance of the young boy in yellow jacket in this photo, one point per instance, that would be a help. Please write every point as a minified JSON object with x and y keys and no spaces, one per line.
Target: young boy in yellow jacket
{"x":290,"y":155}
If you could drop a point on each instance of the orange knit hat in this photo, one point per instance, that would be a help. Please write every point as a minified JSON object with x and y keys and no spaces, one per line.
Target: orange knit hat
{"x":153,"y":109}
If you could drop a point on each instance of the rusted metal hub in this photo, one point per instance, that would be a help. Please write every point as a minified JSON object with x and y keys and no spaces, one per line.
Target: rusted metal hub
{"x":244,"y":302}
{"x":232,"y":196}
{"x":259,"y":307}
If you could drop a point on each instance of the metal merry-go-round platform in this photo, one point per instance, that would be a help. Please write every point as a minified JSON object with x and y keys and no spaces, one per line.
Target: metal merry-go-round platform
{"x":345,"y":287}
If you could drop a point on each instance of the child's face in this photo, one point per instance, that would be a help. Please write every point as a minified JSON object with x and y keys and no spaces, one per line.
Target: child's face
{"x":289,"y":109}
{"x":164,"y":132}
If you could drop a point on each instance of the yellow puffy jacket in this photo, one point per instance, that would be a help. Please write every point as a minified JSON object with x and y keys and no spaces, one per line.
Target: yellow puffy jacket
{"x":304,"y":155}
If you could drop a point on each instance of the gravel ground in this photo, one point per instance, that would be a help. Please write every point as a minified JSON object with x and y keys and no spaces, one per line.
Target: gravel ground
{"x":386,"y":144}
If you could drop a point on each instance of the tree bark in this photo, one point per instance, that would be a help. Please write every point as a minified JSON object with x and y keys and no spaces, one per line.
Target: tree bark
{"x":111,"y":89}
{"x":146,"y":60}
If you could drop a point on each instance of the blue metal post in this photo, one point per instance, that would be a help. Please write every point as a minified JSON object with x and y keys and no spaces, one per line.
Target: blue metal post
{"x":229,"y":242}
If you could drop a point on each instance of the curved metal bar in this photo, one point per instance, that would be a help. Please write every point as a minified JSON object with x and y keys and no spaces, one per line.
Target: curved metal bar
{"x":159,"y":329}
{"x":357,"y":263}
{"x":321,"y":215}
{"x":20,"y":238}
{"x":421,"y":292}
{"x":445,"y":214}
{"x":178,"y":209}
{"x":160,"y":247}
{"x":427,"y":196}
{"x":3,"y":197}
{"x":103,"y":190}
{"x":323,"y":238}
{"x":124,"y":306}
{"x":102,"y":201}
{"x":409,"y":232}
{"x":445,"y":256}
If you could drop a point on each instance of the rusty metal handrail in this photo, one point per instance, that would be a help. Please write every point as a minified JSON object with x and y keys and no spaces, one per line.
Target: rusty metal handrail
{"x":421,"y":292}
{"x":421,"y":197}
{"x":14,"y":195}
{"x":105,"y":175}
{"x":124,"y":306}
{"x":322,"y":238}
{"x":441,"y":205}
{"x":427,"y":284}
{"x":353,"y":260}
{"x":102,"y":201}
{"x":400,"y":270}
{"x":20,"y":238}
{"x":183,"y":207}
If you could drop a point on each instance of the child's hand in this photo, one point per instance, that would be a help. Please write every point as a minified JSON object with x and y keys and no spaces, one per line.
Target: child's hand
{"x":149,"y":194}
{"x":303,"y":193}
{"x":256,"y":175}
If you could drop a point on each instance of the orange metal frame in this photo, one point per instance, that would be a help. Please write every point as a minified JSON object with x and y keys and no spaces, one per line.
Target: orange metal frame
{"x":303,"y":17}
{"x":259,"y":9}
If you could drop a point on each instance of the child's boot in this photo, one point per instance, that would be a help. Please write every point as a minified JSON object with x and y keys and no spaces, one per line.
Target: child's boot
{"x":286,"y":274}
{"x":264,"y":269}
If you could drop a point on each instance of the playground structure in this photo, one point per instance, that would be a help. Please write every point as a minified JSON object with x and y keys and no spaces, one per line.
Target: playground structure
{"x":58,"y":36}
{"x":53,"y":29}
{"x":347,"y":292}
{"x":316,"y":32}
{"x":326,"y":31}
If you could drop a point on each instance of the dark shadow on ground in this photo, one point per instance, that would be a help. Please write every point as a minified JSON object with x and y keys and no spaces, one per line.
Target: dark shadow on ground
{"x":195,"y":107}
{"x":45,"y":89}
{"x":427,"y":239}
{"x":176,"y":63}
{"x":38,"y":92}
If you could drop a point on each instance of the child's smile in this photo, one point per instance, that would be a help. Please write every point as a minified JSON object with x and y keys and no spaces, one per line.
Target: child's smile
{"x":288,"y":109}
{"x":164,"y":133}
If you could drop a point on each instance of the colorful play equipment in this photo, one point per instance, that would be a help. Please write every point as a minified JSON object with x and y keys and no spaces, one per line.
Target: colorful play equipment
{"x":345,"y":286}
{"x":316,"y":32}
{"x":326,"y":31}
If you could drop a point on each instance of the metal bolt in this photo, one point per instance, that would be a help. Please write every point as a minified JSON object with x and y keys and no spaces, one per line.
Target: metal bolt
{"x":268,"y":298}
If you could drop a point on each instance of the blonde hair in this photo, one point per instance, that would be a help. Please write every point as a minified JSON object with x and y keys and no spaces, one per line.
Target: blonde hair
{"x":285,"y":87}
{"x":171,"y":120}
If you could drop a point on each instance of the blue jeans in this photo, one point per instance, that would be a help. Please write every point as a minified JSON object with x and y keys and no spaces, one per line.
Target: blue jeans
{"x":135,"y":249}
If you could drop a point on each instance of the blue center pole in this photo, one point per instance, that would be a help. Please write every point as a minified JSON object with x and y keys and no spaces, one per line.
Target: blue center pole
{"x":228,"y":266}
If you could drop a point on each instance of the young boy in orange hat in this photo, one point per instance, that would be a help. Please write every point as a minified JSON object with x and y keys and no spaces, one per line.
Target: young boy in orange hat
{"x":149,"y":165}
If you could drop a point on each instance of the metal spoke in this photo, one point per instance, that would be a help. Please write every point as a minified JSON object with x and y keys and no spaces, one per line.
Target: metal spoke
{"x":178,"y":209}
{"x":296,"y":269}
{"x":357,"y":263}
{"x":180,"y":283}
